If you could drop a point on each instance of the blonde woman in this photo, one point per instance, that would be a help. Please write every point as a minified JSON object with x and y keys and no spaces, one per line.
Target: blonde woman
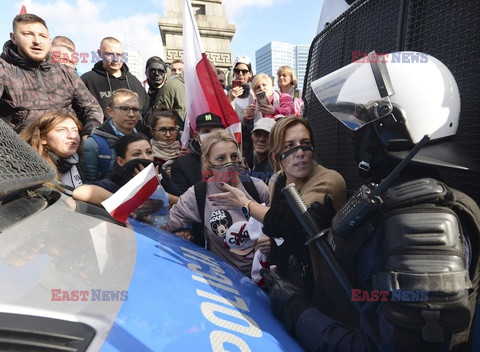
{"x":222,"y":225}
{"x":287,"y":83}
{"x":275,"y":105}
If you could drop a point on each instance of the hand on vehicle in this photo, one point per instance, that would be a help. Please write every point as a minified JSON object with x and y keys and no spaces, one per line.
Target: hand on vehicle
{"x":185,"y":234}
{"x":287,"y":300}
{"x":148,"y":207}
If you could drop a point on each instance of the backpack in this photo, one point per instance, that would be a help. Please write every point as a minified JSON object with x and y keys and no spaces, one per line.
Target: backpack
{"x":200,"y":195}
{"x":104,"y":155}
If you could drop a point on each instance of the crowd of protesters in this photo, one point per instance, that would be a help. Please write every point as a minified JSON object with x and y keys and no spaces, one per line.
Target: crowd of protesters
{"x":101,"y":129}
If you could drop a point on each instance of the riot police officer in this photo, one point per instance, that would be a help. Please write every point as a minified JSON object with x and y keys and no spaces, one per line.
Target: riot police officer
{"x":412,"y":259}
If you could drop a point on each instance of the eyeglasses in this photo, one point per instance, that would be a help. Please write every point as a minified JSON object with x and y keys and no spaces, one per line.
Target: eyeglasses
{"x":126,"y":109}
{"x":164,"y":130}
{"x":237,"y":71}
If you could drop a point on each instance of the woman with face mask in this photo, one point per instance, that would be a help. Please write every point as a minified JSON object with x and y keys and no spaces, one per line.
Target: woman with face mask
{"x":223,"y":227}
{"x":56,"y":137}
{"x":292,"y":150}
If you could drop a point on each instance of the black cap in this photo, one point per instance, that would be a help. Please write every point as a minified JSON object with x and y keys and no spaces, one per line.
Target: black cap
{"x":155,"y":59}
{"x":209,"y":119}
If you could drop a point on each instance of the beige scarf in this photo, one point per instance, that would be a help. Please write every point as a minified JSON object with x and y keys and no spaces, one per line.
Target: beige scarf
{"x":165,"y":151}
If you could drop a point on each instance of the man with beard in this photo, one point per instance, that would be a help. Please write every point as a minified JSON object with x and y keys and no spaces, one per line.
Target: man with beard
{"x":31,"y":85}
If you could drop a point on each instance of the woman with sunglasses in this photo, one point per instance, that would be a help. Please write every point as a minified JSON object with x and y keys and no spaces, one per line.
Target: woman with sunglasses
{"x":241,"y":97}
{"x":240,"y":94}
{"x":165,"y":144}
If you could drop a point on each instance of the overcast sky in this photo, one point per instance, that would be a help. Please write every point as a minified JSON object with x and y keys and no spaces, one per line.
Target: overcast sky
{"x":86,"y":22}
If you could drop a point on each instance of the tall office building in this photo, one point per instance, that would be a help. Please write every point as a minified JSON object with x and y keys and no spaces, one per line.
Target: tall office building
{"x":275,"y":54}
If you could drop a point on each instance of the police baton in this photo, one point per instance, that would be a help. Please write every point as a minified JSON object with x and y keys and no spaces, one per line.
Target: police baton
{"x":301,"y":211}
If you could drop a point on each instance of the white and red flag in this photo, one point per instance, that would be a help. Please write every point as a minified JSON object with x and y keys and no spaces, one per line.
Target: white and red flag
{"x":25,"y":4}
{"x":133,"y":194}
{"x":203,"y":91}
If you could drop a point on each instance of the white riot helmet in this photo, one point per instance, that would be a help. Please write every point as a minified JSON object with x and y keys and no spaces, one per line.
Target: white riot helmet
{"x":406,"y":95}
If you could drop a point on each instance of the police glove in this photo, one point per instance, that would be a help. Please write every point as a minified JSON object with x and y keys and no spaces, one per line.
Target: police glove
{"x":322,"y":214}
{"x":288,"y":301}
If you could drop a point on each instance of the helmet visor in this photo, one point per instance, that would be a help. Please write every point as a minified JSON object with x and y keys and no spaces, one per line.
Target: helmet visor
{"x":351,"y":95}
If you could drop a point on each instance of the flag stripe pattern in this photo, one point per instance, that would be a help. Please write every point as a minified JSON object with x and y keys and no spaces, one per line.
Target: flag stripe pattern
{"x":203,"y":91}
{"x":134,"y":193}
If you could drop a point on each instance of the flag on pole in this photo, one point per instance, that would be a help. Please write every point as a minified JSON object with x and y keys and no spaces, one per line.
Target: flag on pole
{"x":25,"y":4}
{"x":203,"y":91}
{"x":133,"y":194}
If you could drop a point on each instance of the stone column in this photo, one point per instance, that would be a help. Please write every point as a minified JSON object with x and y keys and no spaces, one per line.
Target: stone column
{"x":215,"y":31}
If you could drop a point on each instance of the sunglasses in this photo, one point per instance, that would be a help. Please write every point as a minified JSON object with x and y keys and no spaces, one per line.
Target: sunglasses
{"x":238,"y":71}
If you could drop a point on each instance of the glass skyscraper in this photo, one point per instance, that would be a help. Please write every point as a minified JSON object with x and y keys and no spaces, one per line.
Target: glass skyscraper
{"x":275,"y":54}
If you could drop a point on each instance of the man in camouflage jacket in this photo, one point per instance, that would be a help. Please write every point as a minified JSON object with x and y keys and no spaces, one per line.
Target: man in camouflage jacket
{"x":31,"y":85}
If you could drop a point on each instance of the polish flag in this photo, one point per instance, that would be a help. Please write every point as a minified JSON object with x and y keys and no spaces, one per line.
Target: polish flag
{"x":203,"y":91}
{"x":133,"y":194}
{"x":25,"y":4}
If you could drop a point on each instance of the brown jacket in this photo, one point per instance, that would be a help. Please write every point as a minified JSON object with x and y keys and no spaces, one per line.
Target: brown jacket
{"x":322,"y":181}
{"x":29,"y":89}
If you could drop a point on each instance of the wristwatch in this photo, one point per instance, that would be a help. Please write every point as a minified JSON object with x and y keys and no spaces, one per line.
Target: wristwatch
{"x":246,"y":210}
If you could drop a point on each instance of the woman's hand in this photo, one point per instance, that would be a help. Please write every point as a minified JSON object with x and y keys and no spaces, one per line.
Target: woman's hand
{"x":249,"y":112}
{"x":148,"y":207}
{"x":267,"y":109}
{"x":185,"y":234}
{"x":184,"y":151}
{"x":264,"y":244}
{"x":232,"y":198}
{"x":140,"y":167}
{"x":234,"y":93}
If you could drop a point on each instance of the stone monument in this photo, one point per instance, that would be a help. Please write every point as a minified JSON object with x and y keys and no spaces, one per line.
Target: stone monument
{"x":215,"y":31}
